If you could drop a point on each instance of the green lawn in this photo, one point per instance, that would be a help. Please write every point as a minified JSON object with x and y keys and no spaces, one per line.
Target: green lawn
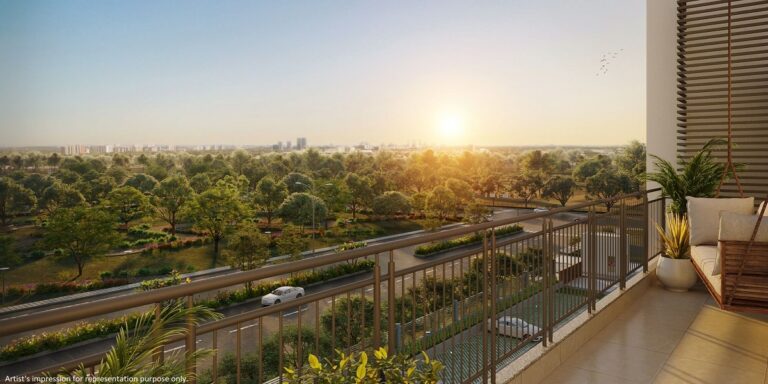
{"x":52,"y":269}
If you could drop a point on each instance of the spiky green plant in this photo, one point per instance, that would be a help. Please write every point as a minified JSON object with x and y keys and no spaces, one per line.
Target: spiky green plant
{"x":131,"y":356}
{"x":676,"y":238}
{"x":698,"y":177}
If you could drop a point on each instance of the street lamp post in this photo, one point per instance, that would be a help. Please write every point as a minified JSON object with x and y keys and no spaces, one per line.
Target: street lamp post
{"x":312,"y":197}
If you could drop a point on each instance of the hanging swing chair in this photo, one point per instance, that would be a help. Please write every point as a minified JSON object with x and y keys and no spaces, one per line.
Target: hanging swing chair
{"x":743,"y":264}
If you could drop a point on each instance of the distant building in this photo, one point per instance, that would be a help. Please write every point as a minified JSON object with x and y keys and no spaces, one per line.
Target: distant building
{"x":101,"y":149}
{"x":75,"y":150}
{"x":287,"y":145}
{"x":301,"y":143}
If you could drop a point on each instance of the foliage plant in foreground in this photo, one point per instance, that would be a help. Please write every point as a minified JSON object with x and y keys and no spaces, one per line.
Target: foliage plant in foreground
{"x":358,"y":368}
{"x":137,"y":343}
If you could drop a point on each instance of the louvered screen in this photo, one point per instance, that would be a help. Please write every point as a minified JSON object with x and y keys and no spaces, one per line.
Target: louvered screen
{"x":705,"y":63}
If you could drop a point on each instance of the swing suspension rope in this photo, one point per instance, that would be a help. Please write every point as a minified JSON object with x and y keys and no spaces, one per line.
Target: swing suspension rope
{"x":730,"y":167}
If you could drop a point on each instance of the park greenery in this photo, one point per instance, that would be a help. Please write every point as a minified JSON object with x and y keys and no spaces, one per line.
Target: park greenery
{"x":81,"y":208}
{"x":82,"y":331}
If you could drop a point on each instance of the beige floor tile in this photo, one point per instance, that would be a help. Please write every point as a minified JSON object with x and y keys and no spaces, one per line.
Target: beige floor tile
{"x":654,"y":317}
{"x":572,"y":375}
{"x":700,"y":347}
{"x":689,"y":371}
{"x":728,"y":328}
{"x":618,"y":360}
{"x":642,"y":332}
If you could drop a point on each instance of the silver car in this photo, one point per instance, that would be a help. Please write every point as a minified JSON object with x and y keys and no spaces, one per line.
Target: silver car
{"x":517,"y":328}
{"x":281,"y":295}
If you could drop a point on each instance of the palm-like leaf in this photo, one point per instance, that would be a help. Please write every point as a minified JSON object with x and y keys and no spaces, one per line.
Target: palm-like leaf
{"x":698,"y":177}
{"x":675,"y":238}
{"x":131,"y":356}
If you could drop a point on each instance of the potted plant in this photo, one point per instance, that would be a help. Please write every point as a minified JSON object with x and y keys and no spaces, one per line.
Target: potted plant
{"x":698,"y":177}
{"x":675,"y":269}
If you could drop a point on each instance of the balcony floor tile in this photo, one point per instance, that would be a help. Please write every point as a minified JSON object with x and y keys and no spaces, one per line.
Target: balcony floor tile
{"x":667,"y":337}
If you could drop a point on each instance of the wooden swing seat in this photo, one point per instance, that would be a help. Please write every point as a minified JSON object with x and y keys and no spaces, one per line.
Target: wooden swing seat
{"x":734,"y":291}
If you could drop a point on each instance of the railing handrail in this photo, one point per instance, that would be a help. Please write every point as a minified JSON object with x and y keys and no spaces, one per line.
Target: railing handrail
{"x":43,"y":319}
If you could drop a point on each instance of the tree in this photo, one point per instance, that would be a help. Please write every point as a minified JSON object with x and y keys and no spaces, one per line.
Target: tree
{"x":297,"y":182}
{"x":248,"y":249}
{"x":217,"y":210}
{"x":200,"y":182}
{"x":461,"y":189}
{"x":268,"y":196}
{"x":475,"y":213}
{"x":169,"y":198}
{"x":631,"y":161}
{"x":360,"y":192}
{"x":128,"y":204}
{"x":441,"y":202}
{"x":345,"y":320}
{"x":14,"y":199}
{"x":143,"y":182}
{"x":60,"y":195}
{"x":391,"y":203}
{"x":419,"y":202}
{"x":291,"y":242}
{"x":53,"y":160}
{"x":240,"y":160}
{"x":560,"y":188}
{"x":297,"y":208}
{"x":608,"y":183}
{"x":83,"y":233}
{"x":8,"y":256}
{"x":528,"y":185}
{"x":591,"y":167}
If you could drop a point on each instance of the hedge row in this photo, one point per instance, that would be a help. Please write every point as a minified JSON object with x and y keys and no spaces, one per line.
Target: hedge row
{"x":224,"y":298}
{"x":429,"y":249}
{"x":66,"y":287}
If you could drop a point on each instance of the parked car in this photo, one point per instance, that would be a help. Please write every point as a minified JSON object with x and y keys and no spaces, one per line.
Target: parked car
{"x":517,"y":328}
{"x":540,"y":210}
{"x":281,"y":295}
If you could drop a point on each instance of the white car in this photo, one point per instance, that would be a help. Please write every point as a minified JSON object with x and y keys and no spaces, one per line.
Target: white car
{"x":540,"y":210}
{"x":517,"y":328}
{"x":281,"y":295}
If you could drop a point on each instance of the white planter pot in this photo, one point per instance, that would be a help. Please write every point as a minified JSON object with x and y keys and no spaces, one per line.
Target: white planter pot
{"x":677,"y":275}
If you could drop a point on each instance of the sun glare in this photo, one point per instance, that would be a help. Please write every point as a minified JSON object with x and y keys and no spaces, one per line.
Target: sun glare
{"x":451,"y":127}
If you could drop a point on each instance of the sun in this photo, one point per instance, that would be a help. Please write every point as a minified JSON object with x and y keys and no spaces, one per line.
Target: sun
{"x":451,"y":127}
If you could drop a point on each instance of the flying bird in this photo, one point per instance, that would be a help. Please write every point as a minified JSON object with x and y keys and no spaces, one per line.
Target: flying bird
{"x":605,"y":61}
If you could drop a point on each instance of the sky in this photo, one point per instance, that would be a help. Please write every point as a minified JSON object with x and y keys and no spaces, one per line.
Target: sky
{"x":514,"y":72}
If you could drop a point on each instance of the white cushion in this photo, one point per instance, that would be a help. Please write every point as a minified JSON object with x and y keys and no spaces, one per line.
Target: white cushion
{"x":739,"y":227}
{"x":705,"y":257}
{"x":761,"y":207}
{"x":704,"y":216}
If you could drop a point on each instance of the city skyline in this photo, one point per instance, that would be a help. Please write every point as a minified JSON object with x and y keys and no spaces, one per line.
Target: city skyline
{"x":336,"y":73}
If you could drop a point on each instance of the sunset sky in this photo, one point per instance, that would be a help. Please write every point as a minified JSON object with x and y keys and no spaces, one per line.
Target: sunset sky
{"x":255,"y":72}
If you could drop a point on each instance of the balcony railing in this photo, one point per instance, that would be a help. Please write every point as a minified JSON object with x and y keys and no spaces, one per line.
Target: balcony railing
{"x":448,"y":304}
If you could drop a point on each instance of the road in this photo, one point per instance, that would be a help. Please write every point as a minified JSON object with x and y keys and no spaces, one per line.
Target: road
{"x":249,"y":330}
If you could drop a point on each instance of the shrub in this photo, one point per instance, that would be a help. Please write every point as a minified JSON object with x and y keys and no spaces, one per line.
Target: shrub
{"x":175,"y":279}
{"x":430,"y":249}
{"x":104,"y":275}
{"x":358,"y":368}
{"x":143,"y":272}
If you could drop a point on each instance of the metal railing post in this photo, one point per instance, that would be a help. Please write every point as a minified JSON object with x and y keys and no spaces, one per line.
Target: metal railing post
{"x":623,"y":254}
{"x":545,"y":281}
{"x":646,"y":234}
{"x":159,"y":356}
{"x":486,"y":317}
{"x":592,"y":257}
{"x":492,"y":260}
{"x":190,"y":346}
{"x":391,"y":342}
{"x":376,"y":303}
{"x":552,"y":278}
